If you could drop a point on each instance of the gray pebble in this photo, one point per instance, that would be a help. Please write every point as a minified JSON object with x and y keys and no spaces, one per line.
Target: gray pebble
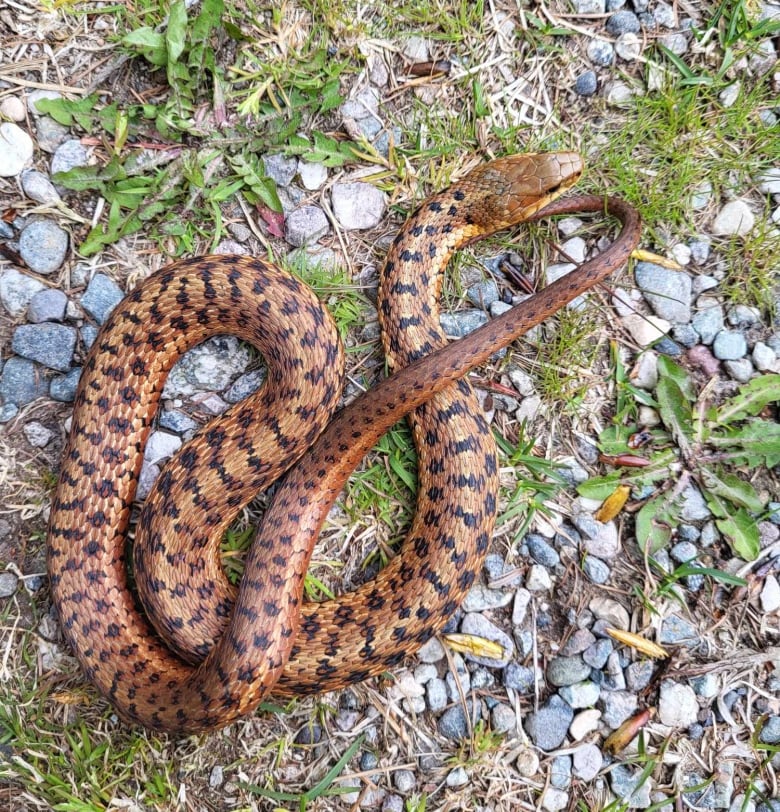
{"x":764,"y":357}
{"x":49,"y":344}
{"x":578,"y":642}
{"x":404,"y":781}
{"x":600,"y":53}
{"x":664,"y":15}
{"x":541,"y":551}
{"x":617,"y":706}
{"x":581,"y":695}
{"x":8,"y":412}
{"x":708,"y":321}
{"x":358,"y":205}
{"x":669,"y":293}
{"x":43,"y":246}
{"x":586,"y":762}
{"x":595,"y":570}
{"x":700,"y":253}
{"x":586,"y":83}
{"x":483,"y":294}
{"x":8,"y":584}
{"x":38,"y":187}
{"x":16,"y":149}
{"x":683,"y":551}
{"x":694,"y":506}
{"x":393,"y":803}
{"x":245,"y":385}
{"x":560,"y":772}
{"x":519,"y":678}
{"x":729,"y":345}
{"x":686,"y":335}
{"x":457,"y":325}
{"x":216,"y":777}
{"x":368,"y":761}
{"x":630,"y":786}
{"x":740,"y":370}
{"x":596,"y":656}
{"x":743,"y":316}
{"x":37,"y":435}
{"x":88,"y":334}
{"x":677,"y":43}
{"x":280,"y":169}
{"x":431,"y":652}
{"x":452,"y":724}
{"x":479,"y":598}
{"x":639,"y":674}
{"x":17,"y":290}
{"x":599,"y":539}
{"x":614,"y":5}
{"x":567,"y":670}
{"x":590,"y":6}
{"x":101,"y":297}
{"x":47,"y":305}
{"x":68,"y":155}
{"x":310,"y":734}
{"x":676,"y":630}
{"x":177,"y":421}
{"x":502,"y":718}
{"x":49,"y":134}
{"x":305,"y":225}
{"x":548,"y":726}
{"x":770,"y":732}
{"x":436,"y":694}
{"x":20,"y":383}
{"x":63,"y":387}
{"x":623,"y":22}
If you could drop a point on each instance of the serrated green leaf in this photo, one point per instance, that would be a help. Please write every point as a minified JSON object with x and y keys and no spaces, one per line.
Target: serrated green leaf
{"x":741,"y":531}
{"x":599,"y":488}
{"x":176,"y":30}
{"x":669,"y":370}
{"x":675,"y":410}
{"x":654,"y":524}
{"x":209,"y":18}
{"x":751,"y":399}
{"x":81,"y":178}
{"x":756,"y":443}
{"x":732,"y":488}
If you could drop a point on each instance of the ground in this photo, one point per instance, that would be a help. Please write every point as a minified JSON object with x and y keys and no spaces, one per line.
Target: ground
{"x":177,"y":108}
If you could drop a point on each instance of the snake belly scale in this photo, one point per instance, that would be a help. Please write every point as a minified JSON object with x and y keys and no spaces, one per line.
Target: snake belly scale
{"x":214,"y":653}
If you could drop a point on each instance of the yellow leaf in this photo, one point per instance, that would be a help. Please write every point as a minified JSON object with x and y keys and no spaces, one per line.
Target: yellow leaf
{"x":649,"y":256}
{"x":477,"y":646}
{"x":613,"y":504}
{"x":639,"y":643}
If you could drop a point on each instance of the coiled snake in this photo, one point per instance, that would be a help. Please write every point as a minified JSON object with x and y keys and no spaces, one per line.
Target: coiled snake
{"x":230,"y":650}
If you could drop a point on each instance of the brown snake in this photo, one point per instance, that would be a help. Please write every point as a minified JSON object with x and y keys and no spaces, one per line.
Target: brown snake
{"x":233,"y":649}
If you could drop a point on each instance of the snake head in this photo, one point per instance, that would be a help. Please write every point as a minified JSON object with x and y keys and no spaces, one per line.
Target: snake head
{"x":513,"y":188}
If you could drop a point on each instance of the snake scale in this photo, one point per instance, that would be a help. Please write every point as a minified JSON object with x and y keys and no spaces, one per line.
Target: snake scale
{"x":215,"y":653}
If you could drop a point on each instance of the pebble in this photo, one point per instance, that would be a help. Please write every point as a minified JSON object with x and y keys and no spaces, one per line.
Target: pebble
{"x":313,"y":175}
{"x":436,"y":694}
{"x":431,"y":652}
{"x":457,"y":778}
{"x":209,"y":367}
{"x":676,"y":630}
{"x":560,"y":772}
{"x":694,"y":507}
{"x":43,"y":246}
{"x":668,"y":292}
{"x":49,"y":134}
{"x":584,"y":723}
{"x":734,"y":219}
{"x":567,"y":670}
{"x":646,"y":330}
{"x":729,"y":345}
{"x":519,"y":678}
{"x":245,"y":385}
{"x":8,"y":584}
{"x":358,"y":205}
{"x":628,"y":47}
{"x":729,"y":94}
{"x":581,"y":640}
{"x":404,"y":780}
{"x":541,"y":551}
{"x":39,"y":188}
{"x":586,"y":83}
{"x":547,"y":727}
{"x":38,"y":436}
{"x":101,"y":297}
{"x":581,"y":694}
{"x":478,"y":625}
{"x":479,"y":598}
{"x":743,"y":316}
{"x":590,"y":6}
{"x":740,"y":370}
{"x":600,"y":539}
{"x":393,"y":803}
{"x":502,"y":718}
{"x":49,"y":344}
{"x":596,"y":571}
{"x":16,"y":149}
{"x":17,"y":290}
{"x":452,"y":724}
{"x":538,"y":579}
{"x":611,"y":611}
{"x":47,"y":305}
{"x":483,"y":294}
{"x":12,"y":108}
{"x":596,"y":655}
{"x":770,"y":732}
{"x":160,"y":446}
{"x":63,"y":387}
{"x":630,"y":786}
{"x":554,"y":800}
{"x":677,"y":43}
{"x":280,"y":168}
{"x":769,"y":181}
{"x":68,"y":155}
{"x":770,"y":594}
{"x":617,"y":706}
{"x":639,"y":674}
{"x":600,"y":53}
{"x":20,"y":383}
{"x":623,"y":22}
{"x":708,"y":320}
{"x":305,"y":225}
{"x":764,"y":358}
{"x":216,"y":777}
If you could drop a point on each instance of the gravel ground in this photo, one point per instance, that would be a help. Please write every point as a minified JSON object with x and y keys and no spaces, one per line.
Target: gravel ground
{"x":529,"y":728}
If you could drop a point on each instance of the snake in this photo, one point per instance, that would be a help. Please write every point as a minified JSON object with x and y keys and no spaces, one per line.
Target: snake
{"x":165,"y":638}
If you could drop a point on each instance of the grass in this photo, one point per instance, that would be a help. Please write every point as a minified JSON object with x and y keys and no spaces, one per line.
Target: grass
{"x":218,"y":87}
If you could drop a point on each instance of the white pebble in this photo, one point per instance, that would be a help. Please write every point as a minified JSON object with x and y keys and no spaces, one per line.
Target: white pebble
{"x":12,"y":108}
{"x":735,"y":218}
{"x":770,"y":594}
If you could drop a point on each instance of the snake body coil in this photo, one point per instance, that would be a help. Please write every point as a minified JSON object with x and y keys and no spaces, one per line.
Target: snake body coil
{"x":224,"y":652}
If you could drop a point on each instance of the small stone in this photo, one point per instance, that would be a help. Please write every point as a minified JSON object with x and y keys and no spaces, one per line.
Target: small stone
{"x":63,"y":387}
{"x":590,"y":6}
{"x":596,"y":656}
{"x":677,"y":43}
{"x":639,"y":674}
{"x":676,"y":630}
{"x":581,"y":694}
{"x":567,"y":670}
{"x":39,"y":188}
{"x":770,"y":594}
{"x":770,"y":732}
{"x":764,"y":358}
{"x":313,"y":175}
{"x":43,"y":246}
{"x":483,"y":294}
{"x":586,"y":83}
{"x":20,"y":384}
{"x":436,"y":694}
{"x":735,"y":218}
{"x":729,"y":345}
{"x":646,"y":330}
{"x":16,"y":149}
{"x":729,"y":95}
{"x":554,"y":799}
{"x":69,"y":155}
{"x":160,"y":446}
{"x":600,"y":53}
{"x":694,"y":507}
{"x":586,"y":762}
{"x":668,"y":292}
{"x":708,"y":321}
{"x":519,"y":678}
{"x":404,"y":781}
{"x":769,"y":181}
{"x":503,"y":718}
{"x":358,"y":205}
{"x":596,"y":571}
{"x":49,"y":344}
{"x":547,"y":727}
{"x":305,"y":225}
{"x":12,"y":108}
{"x":8,"y":584}
{"x":700,"y":253}
{"x":17,"y":290}
{"x":527,"y":762}
{"x":584,"y":723}
{"x":479,"y":598}
{"x":49,"y":134}
{"x":541,"y":551}
{"x":47,"y":305}
{"x":623,"y":22}
{"x":630,"y":786}
{"x":309,"y":734}
{"x":740,"y":370}
{"x":38,"y":436}
{"x":457,"y":778}
{"x":216,"y":777}
{"x":617,"y":706}
{"x":677,"y":705}
{"x":610,"y":611}
{"x":101,"y":297}
{"x":628,"y":47}
{"x":538,"y":579}
{"x":431,"y":652}
{"x":452,"y":724}
{"x":415,"y":49}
